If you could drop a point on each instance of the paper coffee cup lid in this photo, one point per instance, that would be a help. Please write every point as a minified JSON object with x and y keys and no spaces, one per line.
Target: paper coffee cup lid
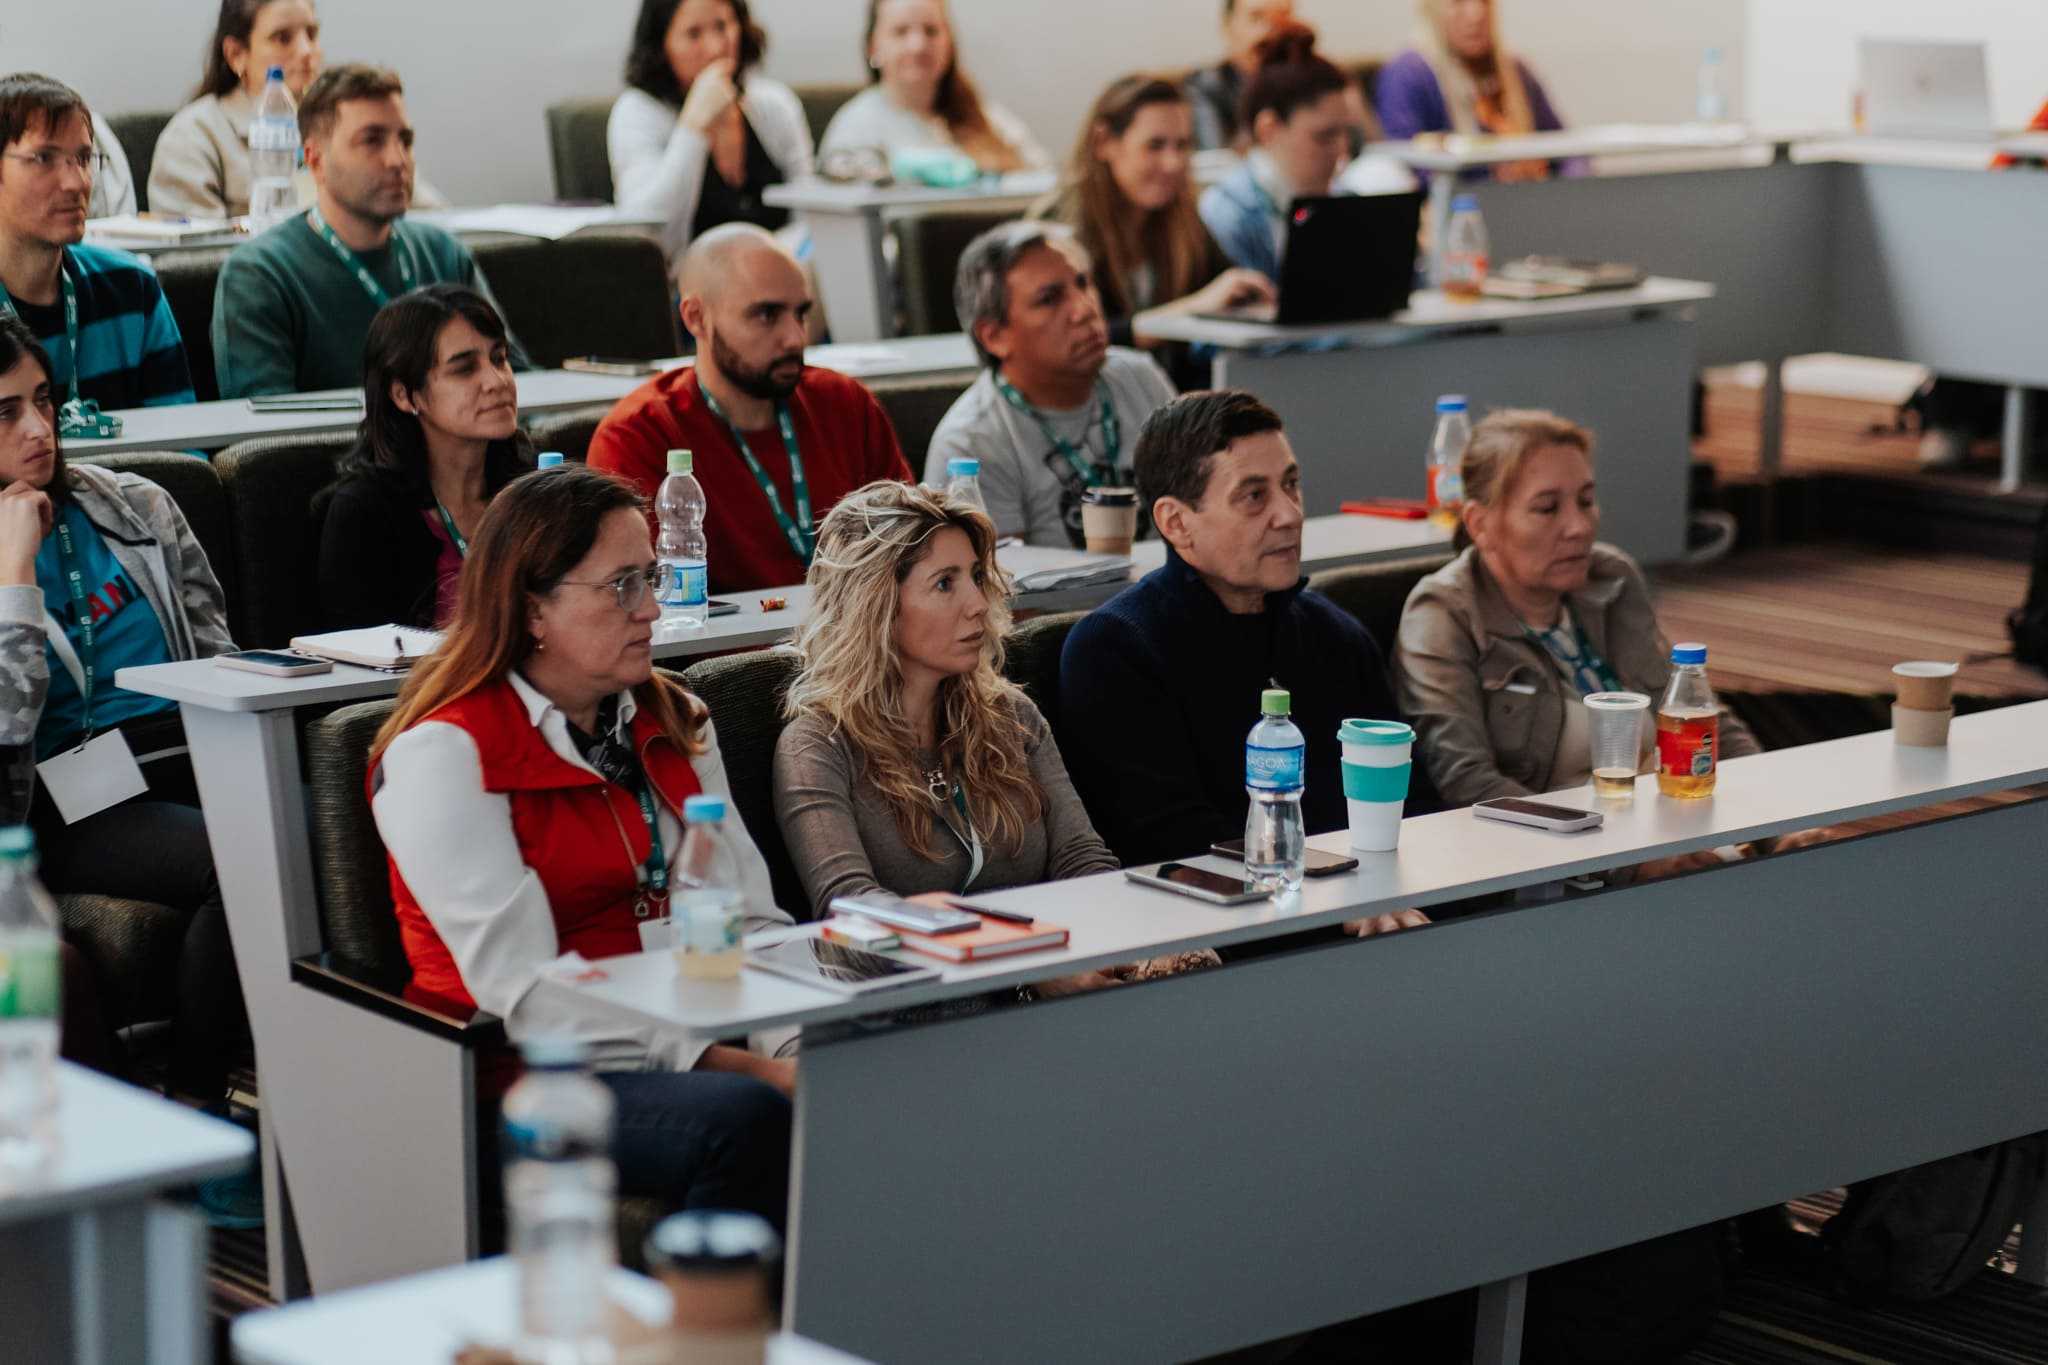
{"x":1925,"y":668}
{"x":1113,"y":497}
{"x":1375,"y":732}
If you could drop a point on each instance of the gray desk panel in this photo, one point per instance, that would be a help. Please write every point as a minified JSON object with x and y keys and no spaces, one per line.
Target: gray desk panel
{"x":1569,"y":1079}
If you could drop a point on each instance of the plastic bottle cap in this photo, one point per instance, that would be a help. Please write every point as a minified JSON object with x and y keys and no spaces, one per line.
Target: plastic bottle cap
{"x":712,"y":1239}
{"x":276,"y":73}
{"x":1689,"y":653}
{"x":703,"y":809}
{"x":1275,"y":701}
{"x":553,"y":1054}
{"x":17,"y":841}
{"x":1465,"y":203}
{"x":549,"y":459}
{"x":1713,"y":54}
{"x":1451,"y":402}
{"x":679,"y":462}
{"x":963,"y":466}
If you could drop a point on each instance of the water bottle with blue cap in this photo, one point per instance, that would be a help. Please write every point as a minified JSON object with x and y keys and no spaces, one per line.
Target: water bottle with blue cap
{"x":30,"y":984}
{"x":1463,"y":255}
{"x":273,"y":154}
{"x":963,"y":482}
{"x":549,"y":459}
{"x":708,"y":905}
{"x":560,"y":1184}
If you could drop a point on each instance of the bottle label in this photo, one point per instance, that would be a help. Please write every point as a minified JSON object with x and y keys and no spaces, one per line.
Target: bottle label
{"x":711,"y":928}
{"x":1685,"y":747}
{"x":29,"y":980}
{"x":1273,"y":770}
{"x":1446,"y":487}
{"x":687,"y":585}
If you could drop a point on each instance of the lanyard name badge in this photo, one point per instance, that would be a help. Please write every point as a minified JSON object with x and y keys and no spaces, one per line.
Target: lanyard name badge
{"x":354,"y":263}
{"x":1590,"y":672}
{"x":100,"y":772}
{"x":650,"y":902}
{"x":78,"y":417}
{"x":796,"y":530}
{"x":455,"y":537}
{"x":971,"y":840}
{"x":1091,"y":474}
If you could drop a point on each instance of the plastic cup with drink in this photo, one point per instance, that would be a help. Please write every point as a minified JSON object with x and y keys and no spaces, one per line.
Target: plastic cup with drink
{"x":1109,"y":520}
{"x":1378,"y":757}
{"x":1615,"y":722}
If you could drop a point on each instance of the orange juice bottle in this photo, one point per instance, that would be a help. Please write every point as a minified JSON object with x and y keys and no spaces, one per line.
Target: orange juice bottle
{"x":1688,"y":727}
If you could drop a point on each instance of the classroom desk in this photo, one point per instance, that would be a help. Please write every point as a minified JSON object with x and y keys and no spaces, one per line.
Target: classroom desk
{"x":98,"y":1270}
{"x":1359,"y":398}
{"x":424,"y":1319}
{"x":1306,"y":1136}
{"x":243,"y":733}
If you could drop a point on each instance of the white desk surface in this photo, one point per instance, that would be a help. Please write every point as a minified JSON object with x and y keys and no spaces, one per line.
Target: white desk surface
{"x":825,"y":196}
{"x":1443,"y":857}
{"x":1933,"y":153}
{"x":1429,"y":311}
{"x":423,"y":1319}
{"x":1462,"y":151}
{"x":118,"y":1143}
{"x":1336,"y":542}
{"x":946,"y":353}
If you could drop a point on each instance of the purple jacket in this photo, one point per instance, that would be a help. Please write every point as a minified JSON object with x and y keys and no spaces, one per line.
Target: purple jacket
{"x":1410,"y":102}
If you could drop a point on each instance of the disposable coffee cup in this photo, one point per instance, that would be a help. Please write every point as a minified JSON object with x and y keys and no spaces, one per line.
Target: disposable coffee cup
{"x":1920,"y":729}
{"x":1925,"y":684}
{"x":1615,"y":723}
{"x":1109,"y":520}
{"x":1378,"y":757}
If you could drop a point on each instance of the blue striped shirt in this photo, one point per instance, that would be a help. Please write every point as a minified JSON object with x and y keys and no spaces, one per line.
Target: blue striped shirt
{"x":130,"y":353}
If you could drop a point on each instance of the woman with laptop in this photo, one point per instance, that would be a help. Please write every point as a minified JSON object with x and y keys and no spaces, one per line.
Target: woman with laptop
{"x":1129,"y":195}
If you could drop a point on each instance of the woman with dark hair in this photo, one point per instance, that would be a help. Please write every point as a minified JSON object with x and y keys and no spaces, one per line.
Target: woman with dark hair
{"x":440,"y":436}
{"x":530,"y":791}
{"x":919,"y":98}
{"x":201,"y":168}
{"x":1217,"y":92}
{"x":99,"y":572}
{"x":1298,"y":116}
{"x":699,"y":133}
{"x":1129,"y":195}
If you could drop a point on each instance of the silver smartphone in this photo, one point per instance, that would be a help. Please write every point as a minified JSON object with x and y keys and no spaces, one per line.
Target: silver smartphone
{"x":1516,"y":811}
{"x":1199,"y":882}
{"x":898,"y":913}
{"x":275,"y":662}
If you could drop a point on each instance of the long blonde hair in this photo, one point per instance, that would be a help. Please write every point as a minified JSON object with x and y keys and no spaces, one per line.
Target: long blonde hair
{"x":958,"y":102}
{"x":853,"y":675}
{"x":1120,"y":238}
{"x":1453,"y":77}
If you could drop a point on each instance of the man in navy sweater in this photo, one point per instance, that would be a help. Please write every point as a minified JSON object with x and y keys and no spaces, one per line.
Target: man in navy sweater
{"x":1159,"y":685}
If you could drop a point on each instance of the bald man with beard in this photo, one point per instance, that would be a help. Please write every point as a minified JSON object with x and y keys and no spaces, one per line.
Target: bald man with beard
{"x":775,"y":442}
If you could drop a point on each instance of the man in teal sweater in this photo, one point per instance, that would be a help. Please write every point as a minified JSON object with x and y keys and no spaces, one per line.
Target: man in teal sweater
{"x":292,"y":308}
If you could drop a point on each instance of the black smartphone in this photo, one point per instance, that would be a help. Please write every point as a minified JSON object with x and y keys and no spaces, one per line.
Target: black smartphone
{"x":1317,"y":863}
{"x":1198,"y":882}
{"x":720,"y":607}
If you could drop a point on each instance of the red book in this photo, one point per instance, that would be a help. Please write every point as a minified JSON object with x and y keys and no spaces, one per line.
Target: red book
{"x":993,"y":939}
{"x":1402,"y":509}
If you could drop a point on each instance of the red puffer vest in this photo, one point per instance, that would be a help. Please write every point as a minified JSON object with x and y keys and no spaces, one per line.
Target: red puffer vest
{"x":568,"y":822}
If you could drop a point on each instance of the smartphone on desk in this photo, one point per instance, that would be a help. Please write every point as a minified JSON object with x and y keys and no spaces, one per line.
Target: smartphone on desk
{"x":1317,"y":863}
{"x":1517,"y":811}
{"x":1199,"y":882}
{"x":718,"y":606}
{"x":898,"y":913}
{"x":274,"y":662}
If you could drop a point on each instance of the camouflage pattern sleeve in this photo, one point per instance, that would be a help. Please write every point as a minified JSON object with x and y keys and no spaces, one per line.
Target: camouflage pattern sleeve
{"x":24,"y":683}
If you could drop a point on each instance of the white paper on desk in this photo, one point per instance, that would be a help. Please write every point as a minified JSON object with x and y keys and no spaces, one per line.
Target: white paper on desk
{"x":855,"y":358}
{"x":549,"y":222}
{"x":1041,"y":568}
{"x":86,"y":781}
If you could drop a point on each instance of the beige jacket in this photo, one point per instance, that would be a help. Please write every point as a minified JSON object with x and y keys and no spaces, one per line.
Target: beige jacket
{"x":1486,"y":700}
{"x":201,"y":167}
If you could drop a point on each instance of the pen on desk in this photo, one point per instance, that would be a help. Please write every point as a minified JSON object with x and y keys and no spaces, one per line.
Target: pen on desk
{"x":1006,"y":916}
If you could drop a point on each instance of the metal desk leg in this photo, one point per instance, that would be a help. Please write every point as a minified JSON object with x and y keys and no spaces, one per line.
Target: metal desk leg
{"x":853,"y":274}
{"x":1497,"y":1338}
{"x":2012,"y":454}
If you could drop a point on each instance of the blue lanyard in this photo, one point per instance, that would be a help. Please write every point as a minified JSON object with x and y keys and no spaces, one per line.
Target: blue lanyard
{"x":1590,"y":672}
{"x":81,"y":610}
{"x":1112,"y":433}
{"x":798,"y":530}
{"x":654,"y":872}
{"x":354,"y":263}
{"x":77,"y":417}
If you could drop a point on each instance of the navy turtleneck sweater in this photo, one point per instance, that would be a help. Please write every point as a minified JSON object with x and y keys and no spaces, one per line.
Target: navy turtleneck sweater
{"x":1160,"y":685}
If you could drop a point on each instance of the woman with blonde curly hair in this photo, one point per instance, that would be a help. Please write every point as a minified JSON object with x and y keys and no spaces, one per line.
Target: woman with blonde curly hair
{"x":910,"y":763}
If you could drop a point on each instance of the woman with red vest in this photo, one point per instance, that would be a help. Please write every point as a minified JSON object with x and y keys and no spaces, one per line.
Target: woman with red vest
{"x":520,"y":787}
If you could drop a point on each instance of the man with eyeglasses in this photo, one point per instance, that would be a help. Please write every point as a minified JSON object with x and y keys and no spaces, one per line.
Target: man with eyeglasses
{"x":292,"y":308}
{"x":99,"y":312}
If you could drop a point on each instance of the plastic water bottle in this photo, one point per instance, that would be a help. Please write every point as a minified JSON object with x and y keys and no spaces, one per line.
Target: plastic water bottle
{"x":549,"y":459}
{"x":29,"y":987}
{"x":1446,"y":460}
{"x":1711,"y":105}
{"x":707,"y":902}
{"x":963,"y":482}
{"x":1463,"y":260}
{"x":679,"y":505}
{"x":559,"y":1186}
{"x":273,"y":154}
{"x":1275,"y":847}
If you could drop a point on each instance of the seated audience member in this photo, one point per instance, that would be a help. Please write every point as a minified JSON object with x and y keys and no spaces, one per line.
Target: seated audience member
{"x":99,"y":313}
{"x":1217,"y":92}
{"x":1297,"y":115}
{"x":440,"y":436}
{"x":1047,"y":417}
{"x":1130,"y":198}
{"x":533,"y":761}
{"x":1190,"y":646}
{"x":919,"y":99}
{"x":1460,"y":78}
{"x":1497,"y":648}
{"x":99,"y":572}
{"x":776,"y":442}
{"x":113,"y":189}
{"x":699,"y":132}
{"x":292,"y":308}
{"x":910,"y":763}
{"x":202,"y":167}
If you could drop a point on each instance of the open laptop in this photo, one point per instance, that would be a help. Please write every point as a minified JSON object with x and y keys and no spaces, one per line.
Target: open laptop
{"x":1925,"y":89}
{"x":1349,"y":258}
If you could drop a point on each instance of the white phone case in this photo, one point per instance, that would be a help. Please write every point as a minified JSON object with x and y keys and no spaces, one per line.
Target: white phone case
{"x":1590,"y":819}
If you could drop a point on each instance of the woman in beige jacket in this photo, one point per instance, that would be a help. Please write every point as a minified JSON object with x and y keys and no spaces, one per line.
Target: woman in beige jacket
{"x":1497,"y":647}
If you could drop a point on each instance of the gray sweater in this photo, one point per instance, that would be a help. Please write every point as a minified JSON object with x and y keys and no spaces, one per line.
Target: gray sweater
{"x":843,"y":837}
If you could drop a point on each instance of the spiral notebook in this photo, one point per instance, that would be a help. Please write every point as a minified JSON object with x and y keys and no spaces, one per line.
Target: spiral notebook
{"x":391,"y":648}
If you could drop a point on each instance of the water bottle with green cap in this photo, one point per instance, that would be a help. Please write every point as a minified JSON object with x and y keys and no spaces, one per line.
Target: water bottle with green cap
{"x":1275,"y":842}
{"x":682,"y":550}
{"x":29,"y":989}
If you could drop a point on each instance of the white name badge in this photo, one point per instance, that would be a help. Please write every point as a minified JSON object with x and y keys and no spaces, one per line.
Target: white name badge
{"x":657,"y":935}
{"x":86,"y":781}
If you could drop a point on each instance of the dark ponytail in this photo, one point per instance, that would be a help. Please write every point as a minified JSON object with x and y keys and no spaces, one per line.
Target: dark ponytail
{"x":1290,"y":76}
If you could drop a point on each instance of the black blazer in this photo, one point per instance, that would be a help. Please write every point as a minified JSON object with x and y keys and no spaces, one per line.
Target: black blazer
{"x":377,"y":557}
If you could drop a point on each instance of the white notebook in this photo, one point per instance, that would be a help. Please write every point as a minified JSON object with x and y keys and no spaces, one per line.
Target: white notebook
{"x":392,"y":648}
